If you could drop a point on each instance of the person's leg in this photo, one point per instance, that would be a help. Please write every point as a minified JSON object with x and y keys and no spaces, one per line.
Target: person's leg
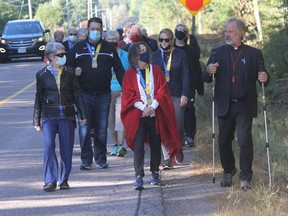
{"x":111,"y":119}
{"x":100,"y":123}
{"x":179,"y":114}
{"x":118,"y":123}
{"x":50,"y":128}
{"x":111,"y":123}
{"x":66,"y":144}
{"x":84,"y":133}
{"x":139,"y":151}
{"x":193,"y":120}
{"x":245,"y":142}
{"x":155,"y":145}
{"x":190,"y":122}
{"x":225,"y":138}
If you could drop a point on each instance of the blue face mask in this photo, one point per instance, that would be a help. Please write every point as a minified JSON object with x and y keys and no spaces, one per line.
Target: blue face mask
{"x":61,"y":61}
{"x":144,"y":57}
{"x":94,"y":36}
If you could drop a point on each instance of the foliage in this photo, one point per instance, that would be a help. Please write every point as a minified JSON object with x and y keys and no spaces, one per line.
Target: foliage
{"x":50,"y":15}
{"x":7,"y":13}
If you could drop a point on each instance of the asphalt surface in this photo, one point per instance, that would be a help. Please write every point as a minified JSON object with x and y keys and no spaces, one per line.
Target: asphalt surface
{"x":185,"y":190}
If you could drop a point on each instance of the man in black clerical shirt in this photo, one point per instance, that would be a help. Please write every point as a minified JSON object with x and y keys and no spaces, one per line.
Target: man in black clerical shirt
{"x":236,"y":68}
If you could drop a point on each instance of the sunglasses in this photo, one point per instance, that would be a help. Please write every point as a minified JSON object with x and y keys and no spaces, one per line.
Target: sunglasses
{"x":60,"y":55}
{"x":73,"y":34}
{"x":182,"y":30}
{"x":164,"y":39}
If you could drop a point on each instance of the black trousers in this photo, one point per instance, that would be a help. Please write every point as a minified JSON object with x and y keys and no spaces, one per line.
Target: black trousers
{"x":190,"y":120}
{"x":147,"y":127}
{"x":236,"y":118}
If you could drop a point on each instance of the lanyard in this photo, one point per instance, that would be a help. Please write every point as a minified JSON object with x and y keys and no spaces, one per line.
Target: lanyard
{"x":167,"y":66}
{"x":70,"y":45}
{"x":57,"y":75}
{"x":234,"y":62}
{"x":92,"y":54}
{"x":145,"y":85}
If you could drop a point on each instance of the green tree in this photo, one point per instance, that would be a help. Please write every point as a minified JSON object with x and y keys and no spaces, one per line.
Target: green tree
{"x":50,"y":15}
{"x":7,"y":12}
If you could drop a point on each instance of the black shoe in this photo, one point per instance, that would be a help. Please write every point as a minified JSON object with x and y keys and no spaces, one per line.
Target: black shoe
{"x":155,"y":178}
{"x":226,"y":180}
{"x":139,"y":183}
{"x":49,"y":187}
{"x":167,"y":165}
{"x":85,"y":166}
{"x":245,"y":185}
{"x":64,"y":186}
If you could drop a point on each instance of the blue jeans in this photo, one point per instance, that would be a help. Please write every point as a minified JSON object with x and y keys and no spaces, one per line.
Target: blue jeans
{"x":65,"y":129}
{"x":98,"y":106}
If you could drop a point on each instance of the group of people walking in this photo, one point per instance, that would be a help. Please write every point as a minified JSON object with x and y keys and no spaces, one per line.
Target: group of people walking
{"x":145,"y":94}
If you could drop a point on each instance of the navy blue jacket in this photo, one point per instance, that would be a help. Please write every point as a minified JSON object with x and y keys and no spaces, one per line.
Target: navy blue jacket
{"x":179,"y":72}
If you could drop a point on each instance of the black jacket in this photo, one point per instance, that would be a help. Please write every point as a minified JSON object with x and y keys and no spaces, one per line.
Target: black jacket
{"x":96,"y":80}
{"x":248,"y":64}
{"x":48,"y":99}
{"x":179,"y":73}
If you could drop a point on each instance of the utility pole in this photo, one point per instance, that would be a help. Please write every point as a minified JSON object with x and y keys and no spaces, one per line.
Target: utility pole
{"x":30,"y":9}
{"x":68,"y":16}
{"x":193,"y":25}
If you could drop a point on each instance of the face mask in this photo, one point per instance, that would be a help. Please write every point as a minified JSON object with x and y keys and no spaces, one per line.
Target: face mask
{"x":144,"y":57}
{"x":135,"y":38}
{"x":94,"y":36}
{"x":180,"y":35}
{"x":61,"y":61}
{"x":72,"y":38}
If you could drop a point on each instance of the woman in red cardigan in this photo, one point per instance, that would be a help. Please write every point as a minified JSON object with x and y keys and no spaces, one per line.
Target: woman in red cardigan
{"x":147,"y":113}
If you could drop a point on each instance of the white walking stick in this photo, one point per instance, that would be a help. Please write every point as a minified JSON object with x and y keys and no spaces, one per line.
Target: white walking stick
{"x":266,"y":130}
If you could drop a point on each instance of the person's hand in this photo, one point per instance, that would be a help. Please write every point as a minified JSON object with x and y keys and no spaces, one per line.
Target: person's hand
{"x":37,"y":128}
{"x":152,"y":113}
{"x":84,"y":121}
{"x":78,"y":71}
{"x":183,"y":101}
{"x":147,"y":111}
{"x":262,"y":76}
{"x":212,"y":68}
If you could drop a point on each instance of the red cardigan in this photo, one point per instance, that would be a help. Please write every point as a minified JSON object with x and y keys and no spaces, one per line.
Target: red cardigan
{"x":164,"y":114}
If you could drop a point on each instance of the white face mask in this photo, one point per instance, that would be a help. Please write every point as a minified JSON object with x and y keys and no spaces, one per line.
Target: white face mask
{"x":61,"y":61}
{"x":72,"y":38}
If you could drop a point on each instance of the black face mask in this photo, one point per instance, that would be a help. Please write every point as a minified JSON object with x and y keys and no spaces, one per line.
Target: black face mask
{"x":180,"y":35}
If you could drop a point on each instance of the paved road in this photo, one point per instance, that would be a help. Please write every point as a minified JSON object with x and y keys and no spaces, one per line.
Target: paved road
{"x":185,"y":190}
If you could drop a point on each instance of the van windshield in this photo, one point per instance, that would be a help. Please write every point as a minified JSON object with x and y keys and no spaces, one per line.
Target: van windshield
{"x":22,"y":28}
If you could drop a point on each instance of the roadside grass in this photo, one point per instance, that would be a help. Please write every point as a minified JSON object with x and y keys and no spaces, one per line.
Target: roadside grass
{"x":261,"y":200}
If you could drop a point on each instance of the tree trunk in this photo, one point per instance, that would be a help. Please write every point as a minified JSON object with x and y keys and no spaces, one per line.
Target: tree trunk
{"x":258,"y":21}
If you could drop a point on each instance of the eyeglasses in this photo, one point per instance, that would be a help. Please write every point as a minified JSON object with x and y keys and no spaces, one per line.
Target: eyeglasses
{"x":73,"y":34}
{"x":164,"y":39}
{"x":60,"y":54}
